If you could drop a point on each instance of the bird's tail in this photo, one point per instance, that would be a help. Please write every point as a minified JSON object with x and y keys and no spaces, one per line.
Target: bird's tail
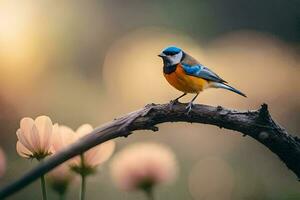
{"x":227,"y":87}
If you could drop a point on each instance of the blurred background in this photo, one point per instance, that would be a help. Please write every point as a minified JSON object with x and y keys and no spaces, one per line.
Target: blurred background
{"x":91,"y":61}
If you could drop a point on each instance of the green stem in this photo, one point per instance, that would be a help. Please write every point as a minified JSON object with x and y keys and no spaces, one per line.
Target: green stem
{"x":43,"y":183}
{"x":149,"y":193}
{"x":83,"y":187}
{"x":43,"y":186}
{"x":83,"y":179}
{"x":62,"y":196}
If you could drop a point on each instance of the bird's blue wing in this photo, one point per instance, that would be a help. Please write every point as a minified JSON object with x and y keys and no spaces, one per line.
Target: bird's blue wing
{"x":202,"y":72}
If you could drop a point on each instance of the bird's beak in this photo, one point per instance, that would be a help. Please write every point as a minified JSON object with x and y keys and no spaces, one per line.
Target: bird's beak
{"x":161,"y":55}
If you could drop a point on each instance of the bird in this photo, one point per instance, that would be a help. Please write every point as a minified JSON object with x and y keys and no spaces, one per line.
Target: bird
{"x":187,"y":75}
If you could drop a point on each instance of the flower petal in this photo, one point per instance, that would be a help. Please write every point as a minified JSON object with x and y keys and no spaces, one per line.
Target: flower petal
{"x":56,"y":140}
{"x":61,"y":175}
{"x":44,"y":126}
{"x":67,"y":135}
{"x":36,"y":140}
{"x":84,"y":130}
{"x":23,"y":139}
{"x":62,"y":137}
{"x":2,"y":163}
{"x":99,"y":154}
{"x":26,"y":125}
{"x":22,"y":150}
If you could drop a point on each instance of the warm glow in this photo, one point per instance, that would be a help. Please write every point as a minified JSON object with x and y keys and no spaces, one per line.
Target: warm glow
{"x":15,"y":25}
{"x":19,"y":58}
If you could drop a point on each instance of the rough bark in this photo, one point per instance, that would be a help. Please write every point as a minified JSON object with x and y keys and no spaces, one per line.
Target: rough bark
{"x":257,"y":124}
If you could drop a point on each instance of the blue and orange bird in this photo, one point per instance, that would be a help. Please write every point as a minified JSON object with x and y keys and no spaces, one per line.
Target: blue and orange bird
{"x":187,"y":75}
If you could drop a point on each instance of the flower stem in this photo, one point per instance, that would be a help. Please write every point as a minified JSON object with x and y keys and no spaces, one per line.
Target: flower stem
{"x":43,"y":186}
{"x":83,"y":187}
{"x":83,"y":179}
{"x":62,"y":196}
{"x":149,"y":193}
{"x":43,"y":183}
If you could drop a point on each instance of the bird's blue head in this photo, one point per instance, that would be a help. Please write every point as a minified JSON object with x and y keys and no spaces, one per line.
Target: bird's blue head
{"x":171,"y":55}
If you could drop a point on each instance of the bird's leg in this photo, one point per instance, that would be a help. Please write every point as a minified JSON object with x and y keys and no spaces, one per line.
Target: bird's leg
{"x":190,"y":105}
{"x":176,"y":100}
{"x":172,"y":102}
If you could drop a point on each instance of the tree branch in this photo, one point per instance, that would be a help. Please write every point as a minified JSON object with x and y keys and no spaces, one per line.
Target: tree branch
{"x":258,"y":124}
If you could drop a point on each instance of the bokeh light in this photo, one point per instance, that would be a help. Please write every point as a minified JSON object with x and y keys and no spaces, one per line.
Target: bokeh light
{"x":20,"y":59}
{"x":211,"y":179}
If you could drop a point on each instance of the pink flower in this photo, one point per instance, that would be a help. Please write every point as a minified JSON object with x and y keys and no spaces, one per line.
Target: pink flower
{"x":143,"y":165}
{"x":60,"y":178}
{"x":35,"y":137}
{"x":2,"y":163}
{"x":64,"y":136}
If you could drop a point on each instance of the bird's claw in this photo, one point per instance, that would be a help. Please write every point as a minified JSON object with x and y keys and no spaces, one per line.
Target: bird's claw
{"x":189,"y":108}
{"x":172,"y":103}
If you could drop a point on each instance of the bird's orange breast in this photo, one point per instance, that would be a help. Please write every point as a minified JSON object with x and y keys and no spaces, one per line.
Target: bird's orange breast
{"x":186,"y":83}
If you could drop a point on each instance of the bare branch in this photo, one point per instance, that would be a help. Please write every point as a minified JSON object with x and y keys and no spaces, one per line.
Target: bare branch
{"x":257,"y":124}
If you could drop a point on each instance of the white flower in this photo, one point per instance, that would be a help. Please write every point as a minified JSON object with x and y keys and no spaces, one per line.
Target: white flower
{"x":64,"y":136}
{"x":35,"y":137}
{"x":143,"y":165}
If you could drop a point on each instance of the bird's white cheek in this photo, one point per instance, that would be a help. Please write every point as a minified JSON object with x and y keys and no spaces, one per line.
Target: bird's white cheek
{"x":176,"y":58}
